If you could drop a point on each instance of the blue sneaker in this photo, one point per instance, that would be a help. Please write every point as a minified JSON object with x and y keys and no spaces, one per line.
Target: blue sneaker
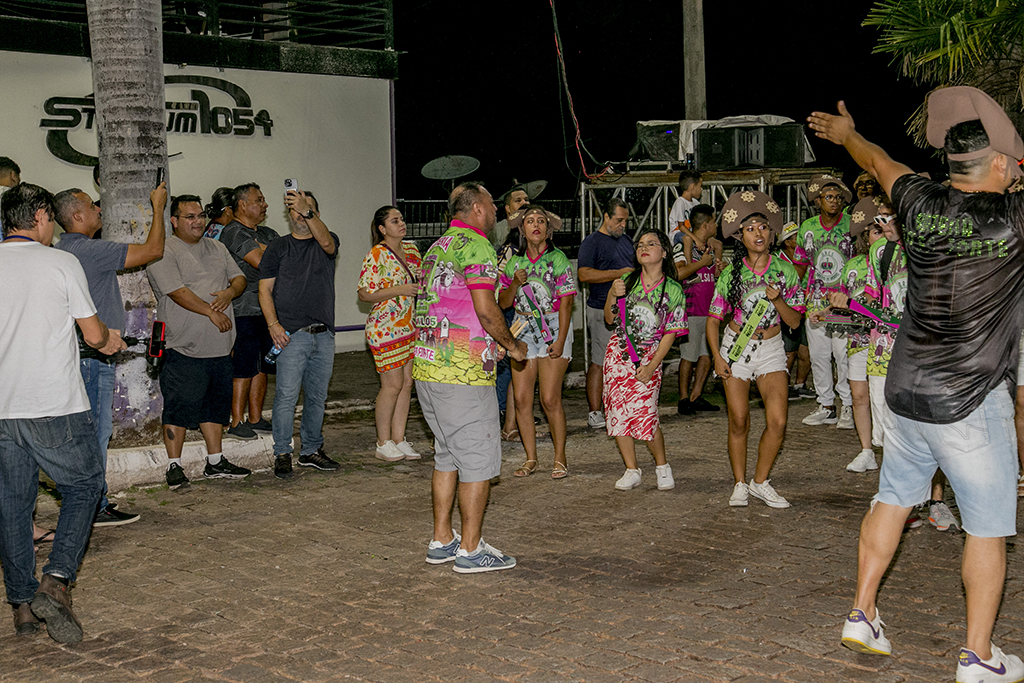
{"x":485,"y":558}
{"x":439,"y":553}
{"x":1002,"y":668}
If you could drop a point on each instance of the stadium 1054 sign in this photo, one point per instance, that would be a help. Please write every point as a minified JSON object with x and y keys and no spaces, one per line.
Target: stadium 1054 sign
{"x":194,"y":117}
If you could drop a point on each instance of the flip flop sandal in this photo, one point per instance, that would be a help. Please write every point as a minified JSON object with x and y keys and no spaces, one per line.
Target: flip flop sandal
{"x":47,"y":537}
{"x":510,"y":435}
{"x":560,"y":471}
{"x":526,"y":469}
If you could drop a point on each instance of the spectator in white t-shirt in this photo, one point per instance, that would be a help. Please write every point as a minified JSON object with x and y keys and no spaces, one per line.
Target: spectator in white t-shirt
{"x":690,"y":189}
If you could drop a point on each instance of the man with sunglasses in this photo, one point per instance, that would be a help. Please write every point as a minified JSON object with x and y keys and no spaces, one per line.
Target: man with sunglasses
{"x":824,"y":245}
{"x":101,"y":260}
{"x":954,"y":361}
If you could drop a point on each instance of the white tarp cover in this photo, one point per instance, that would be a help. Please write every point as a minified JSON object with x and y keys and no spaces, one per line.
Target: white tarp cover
{"x":687,"y":126}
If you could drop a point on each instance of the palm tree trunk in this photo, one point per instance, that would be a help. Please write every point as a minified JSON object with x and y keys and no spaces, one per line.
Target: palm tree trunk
{"x":126,"y":38}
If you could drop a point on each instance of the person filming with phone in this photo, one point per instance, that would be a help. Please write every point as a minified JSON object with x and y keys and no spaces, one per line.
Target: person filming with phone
{"x":297,"y":298}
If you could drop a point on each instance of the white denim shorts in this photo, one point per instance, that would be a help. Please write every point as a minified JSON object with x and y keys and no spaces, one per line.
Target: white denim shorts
{"x":760,"y":357}
{"x":858,"y":371}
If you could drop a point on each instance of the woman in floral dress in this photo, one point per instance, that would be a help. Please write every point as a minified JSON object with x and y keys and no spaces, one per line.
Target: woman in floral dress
{"x":388,"y":280}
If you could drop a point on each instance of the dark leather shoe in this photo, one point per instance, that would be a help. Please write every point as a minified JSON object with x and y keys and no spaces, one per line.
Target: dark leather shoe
{"x":25,"y":623}
{"x":52,"y":604}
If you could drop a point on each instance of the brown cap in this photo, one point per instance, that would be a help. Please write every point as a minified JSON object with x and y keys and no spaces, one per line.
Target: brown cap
{"x":515,"y":220}
{"x":819,"y":181}
{"x":950,"y":106}
{"x":742,"y":205}
{"x":862,"y":215}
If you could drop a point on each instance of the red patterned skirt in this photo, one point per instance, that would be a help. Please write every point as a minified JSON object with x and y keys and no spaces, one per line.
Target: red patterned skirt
{"x":394,"y":353}
{"x":630,"y":406}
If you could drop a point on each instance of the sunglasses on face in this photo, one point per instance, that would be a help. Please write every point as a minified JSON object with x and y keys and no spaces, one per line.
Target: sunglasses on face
{"x":884,"y":220}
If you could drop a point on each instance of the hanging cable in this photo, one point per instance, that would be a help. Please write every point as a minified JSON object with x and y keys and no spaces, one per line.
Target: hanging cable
{"x":578,"y":138}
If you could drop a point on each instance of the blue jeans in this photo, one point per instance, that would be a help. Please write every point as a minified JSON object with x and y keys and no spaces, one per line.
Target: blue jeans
{"x":99,"y":385}
{"x":504,"y":374}
{"x":306,"y":363}
{"x":65,"y":448}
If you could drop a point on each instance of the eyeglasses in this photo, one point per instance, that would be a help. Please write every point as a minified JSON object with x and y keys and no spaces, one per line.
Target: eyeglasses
{"x":884,"y":220}
{"x":648,"y":244}
{"x":192,"y":216}
{"x":831,"y":197}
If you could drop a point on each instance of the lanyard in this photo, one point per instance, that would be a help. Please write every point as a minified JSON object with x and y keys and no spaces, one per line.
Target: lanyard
{"x":531,"y":298}
{"x":630,"y":347}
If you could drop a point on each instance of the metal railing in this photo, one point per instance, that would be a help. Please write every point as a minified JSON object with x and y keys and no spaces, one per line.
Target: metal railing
{"x":337,"y":23}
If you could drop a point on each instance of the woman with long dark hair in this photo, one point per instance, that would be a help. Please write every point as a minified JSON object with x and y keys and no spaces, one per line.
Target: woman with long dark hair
{"x":219,"y":211}
{"x":538,"y":282}
{"x":755,"y":291}
{"x":648,"y":309}
{"x":389,"y":280}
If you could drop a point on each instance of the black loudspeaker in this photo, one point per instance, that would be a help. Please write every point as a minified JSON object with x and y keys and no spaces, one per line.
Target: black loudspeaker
{"x":718,"y":148}
{"x":749,"y":147}
{"x":784,"y":146}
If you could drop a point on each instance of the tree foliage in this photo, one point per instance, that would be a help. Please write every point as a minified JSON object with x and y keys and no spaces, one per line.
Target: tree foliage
{"x":956,"y":42}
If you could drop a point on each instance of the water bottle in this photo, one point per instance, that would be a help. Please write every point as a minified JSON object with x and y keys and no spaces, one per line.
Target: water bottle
{"x":271,"y":356}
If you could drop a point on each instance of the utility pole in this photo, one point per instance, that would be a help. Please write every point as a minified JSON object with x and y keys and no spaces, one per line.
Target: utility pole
{"x":693,"y":59}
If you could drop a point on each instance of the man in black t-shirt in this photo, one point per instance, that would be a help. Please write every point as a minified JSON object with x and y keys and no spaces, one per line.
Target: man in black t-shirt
{"x":296,"y":294}
{"x":954,"y":362}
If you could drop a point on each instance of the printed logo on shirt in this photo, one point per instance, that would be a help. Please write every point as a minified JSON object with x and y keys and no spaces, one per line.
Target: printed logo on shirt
{"x":898,"y":293}
{"x":828,"y":266}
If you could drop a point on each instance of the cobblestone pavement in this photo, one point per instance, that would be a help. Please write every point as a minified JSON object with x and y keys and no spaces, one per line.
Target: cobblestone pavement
{"x":322,"y":578}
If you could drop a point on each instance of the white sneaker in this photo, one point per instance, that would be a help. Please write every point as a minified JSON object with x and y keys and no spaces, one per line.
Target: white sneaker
{"x":596,"y":419}
{"x":845,"y":420}
{"x":739,"y":496}
{"x":665,"y":480}
{"x":867,"y":637}
{"x":629,"y":480}
{"x":822,"y":415}
{"x":864,"y":461}
{"x":389,"y":452}
{"x":407,"y":450}
{"x":768,"y":494}
{"x":1002,"y":668}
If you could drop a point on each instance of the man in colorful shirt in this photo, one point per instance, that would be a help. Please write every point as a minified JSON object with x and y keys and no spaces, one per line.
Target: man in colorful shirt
{"x":954,"y":361}
{"x":459,"y":329}
{"x":823,"y":247}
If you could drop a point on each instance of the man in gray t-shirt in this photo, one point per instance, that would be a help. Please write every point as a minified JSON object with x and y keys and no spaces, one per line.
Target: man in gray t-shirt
{"x":101,"y":259}
{"x":195,"y":282}
{"x":247,"y":240}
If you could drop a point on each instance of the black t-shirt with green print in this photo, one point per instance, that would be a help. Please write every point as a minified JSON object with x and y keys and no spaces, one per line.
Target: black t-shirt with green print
{"x":959,"y":335}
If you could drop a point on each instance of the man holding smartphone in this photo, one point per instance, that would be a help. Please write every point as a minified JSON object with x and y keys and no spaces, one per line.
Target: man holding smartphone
{"x":101,"y":259}
{"x":297,"y":298}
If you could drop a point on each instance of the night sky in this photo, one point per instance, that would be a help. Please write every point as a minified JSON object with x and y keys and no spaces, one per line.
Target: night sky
{"x":484,"y":82}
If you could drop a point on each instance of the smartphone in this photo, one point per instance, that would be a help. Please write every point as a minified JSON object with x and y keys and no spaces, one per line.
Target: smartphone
{"x":156,"y":340}
{"x":291,"y":185}
{"x":159,"y":176}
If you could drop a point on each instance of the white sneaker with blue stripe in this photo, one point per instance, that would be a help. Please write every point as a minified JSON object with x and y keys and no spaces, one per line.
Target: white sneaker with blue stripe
{"x":486,"y":558}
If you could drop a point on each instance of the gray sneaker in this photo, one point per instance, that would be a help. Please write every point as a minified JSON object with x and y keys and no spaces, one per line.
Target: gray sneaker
{"x":941,"y":517}
{"x":486,"y":558}
{"x":439,"y":553}
{"x":241,"y":431}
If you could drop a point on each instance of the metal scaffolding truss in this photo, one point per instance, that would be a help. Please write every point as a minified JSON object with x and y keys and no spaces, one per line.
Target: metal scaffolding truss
{"x":659,"y":190}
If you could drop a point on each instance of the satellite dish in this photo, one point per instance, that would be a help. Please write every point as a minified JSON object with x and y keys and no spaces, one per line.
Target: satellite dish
{"x":534,"y":188}
{"x":449,"y":167}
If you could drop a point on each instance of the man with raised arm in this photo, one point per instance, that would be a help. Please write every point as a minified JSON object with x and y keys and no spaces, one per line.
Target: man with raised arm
{"x":954,"y":362}
{"x":81,"y":219}
{"x":459,"y":330}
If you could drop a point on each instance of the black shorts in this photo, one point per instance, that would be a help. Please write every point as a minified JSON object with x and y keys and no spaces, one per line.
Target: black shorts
{"x":252,"y":342}
{"x":195,"y":390}
{"x":794,"y":338}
